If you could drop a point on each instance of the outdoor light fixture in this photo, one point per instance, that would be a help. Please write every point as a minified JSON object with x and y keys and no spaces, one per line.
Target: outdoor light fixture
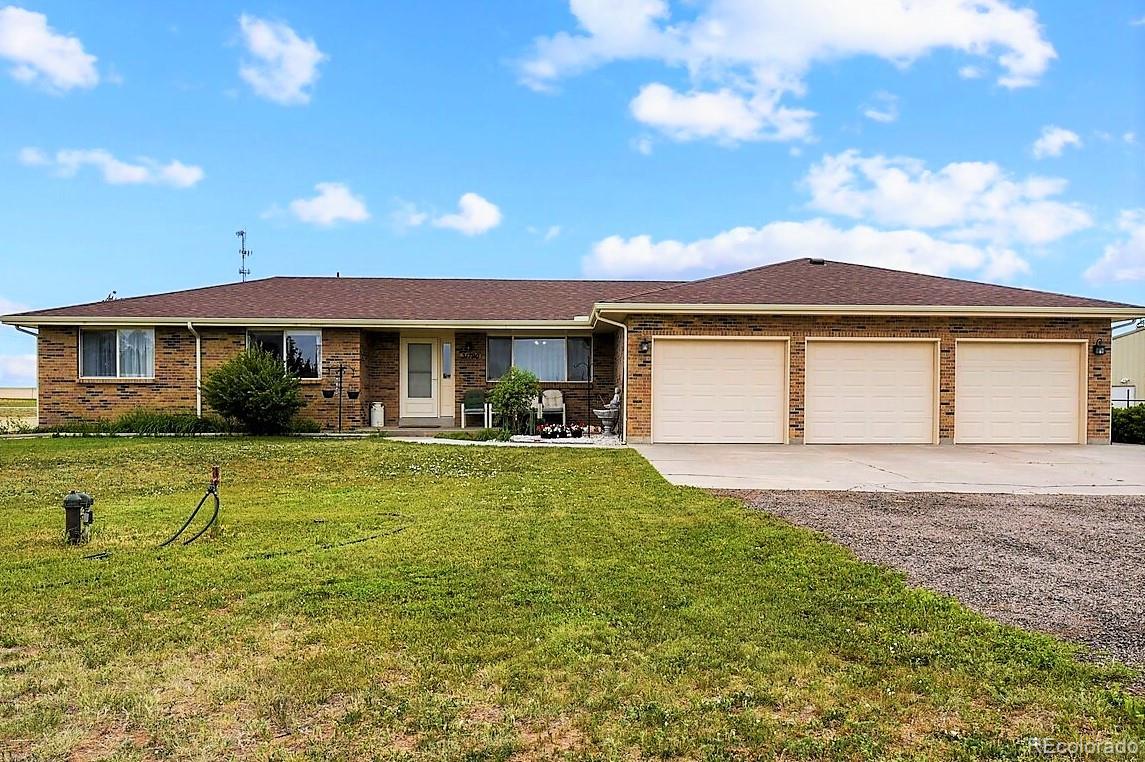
{"x":1099,"y":347}
{"x":645,"y":346}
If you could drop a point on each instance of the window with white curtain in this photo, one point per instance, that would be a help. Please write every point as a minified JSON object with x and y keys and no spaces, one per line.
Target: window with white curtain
{"x":550,"y":358}
{"x":117,"y":353}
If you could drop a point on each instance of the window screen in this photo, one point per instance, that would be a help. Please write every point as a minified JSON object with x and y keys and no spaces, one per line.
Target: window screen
{"x":97,"y":355}
{"x":580,"y":358}
{"x":500,"y":357}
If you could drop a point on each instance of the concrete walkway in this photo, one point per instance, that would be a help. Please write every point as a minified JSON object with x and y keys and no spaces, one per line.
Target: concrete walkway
{"x":1011,"y":469}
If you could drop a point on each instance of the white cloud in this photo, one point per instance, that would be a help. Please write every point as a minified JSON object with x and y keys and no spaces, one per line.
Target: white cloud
{"x":724,"y":115}
{"x":552,"y":232}
{"x":334,"y":203}
{"x":884,"y":108}
{"x":1054,"y":140}
{"x":643,"y":145}
{"x":1138,"y":22}
{"x":283,"y":66}
{"x":744,"y":247}
{"x":1130,"y":138}
{"x":40,"y":55}
{"x":144,"y":171}
{"x":406,"y":215}
{"x":18,"y":370}
{"x":475,"y":215}
{"x":967,"y":200}
{"x":971,"y":72}
{"x":743,"y":57}
{"x":1123,"y":260}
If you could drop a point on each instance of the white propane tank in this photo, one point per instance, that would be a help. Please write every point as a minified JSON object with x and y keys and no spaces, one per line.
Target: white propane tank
{"x":377,"y":415}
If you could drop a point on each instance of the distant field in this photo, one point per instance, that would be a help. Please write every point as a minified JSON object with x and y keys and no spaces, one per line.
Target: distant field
{"x":17,"y":414}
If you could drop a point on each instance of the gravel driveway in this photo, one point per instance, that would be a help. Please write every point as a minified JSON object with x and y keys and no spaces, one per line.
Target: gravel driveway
{"x":1070,"y":565}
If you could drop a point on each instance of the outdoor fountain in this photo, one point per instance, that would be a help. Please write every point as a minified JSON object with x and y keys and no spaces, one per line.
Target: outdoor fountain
{"x":609,"y":414}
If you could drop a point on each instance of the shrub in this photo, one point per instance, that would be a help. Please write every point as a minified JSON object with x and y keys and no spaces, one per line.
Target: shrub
{"x":304,"y":426}
{"x":145,"y":421}
{"x":1129,"y":424}
{"x":476,"y":435}
{"x":255,"y":389}
{"x":513,"y":396}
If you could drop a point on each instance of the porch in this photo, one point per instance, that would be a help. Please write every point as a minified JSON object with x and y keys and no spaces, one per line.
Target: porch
{"x":421,"y":376}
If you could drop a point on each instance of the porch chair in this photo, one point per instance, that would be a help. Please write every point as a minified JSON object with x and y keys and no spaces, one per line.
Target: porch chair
{"x":552,"y":403}
{"x":474,"y":404}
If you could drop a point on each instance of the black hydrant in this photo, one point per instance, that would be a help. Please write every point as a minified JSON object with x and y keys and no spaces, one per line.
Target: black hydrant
{"x":77,"y":508}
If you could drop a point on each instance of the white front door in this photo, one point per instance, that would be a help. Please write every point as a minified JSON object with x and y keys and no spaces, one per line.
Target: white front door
{"x":419,"y":378}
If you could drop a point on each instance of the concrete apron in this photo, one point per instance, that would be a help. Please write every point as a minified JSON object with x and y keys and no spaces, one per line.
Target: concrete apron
{"x":1010,"y":469}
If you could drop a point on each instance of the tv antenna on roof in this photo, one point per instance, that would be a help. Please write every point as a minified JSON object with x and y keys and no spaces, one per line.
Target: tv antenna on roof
{"x":243,"y":253}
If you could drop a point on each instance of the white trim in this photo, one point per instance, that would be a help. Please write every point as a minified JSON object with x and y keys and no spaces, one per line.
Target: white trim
{"x":936,"y":370}
{"x":864,"y":309}
{"x":1083,"y":371}
{"x":786,"y":414}
{"x":232,"y":322}
{"x":117,"y":377}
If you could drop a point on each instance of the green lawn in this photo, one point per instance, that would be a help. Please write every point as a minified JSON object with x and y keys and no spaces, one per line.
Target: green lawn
{"x":7,"y":402}
{"x":519,"y":603}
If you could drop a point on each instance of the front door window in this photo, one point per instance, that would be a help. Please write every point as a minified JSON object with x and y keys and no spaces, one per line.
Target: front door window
{"x":419,"y":371}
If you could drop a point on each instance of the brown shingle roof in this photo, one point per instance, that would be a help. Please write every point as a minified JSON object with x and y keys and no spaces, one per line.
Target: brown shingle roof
{"x":297,"y":298}
{"x":797,"y":282}
{"x":825,"y":282}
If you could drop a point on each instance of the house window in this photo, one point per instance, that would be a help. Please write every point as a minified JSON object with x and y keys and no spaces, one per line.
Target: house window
{"x":446,"y":359}
{"x":549,"y":358}
{"x":117,"y":353}
{"x":300,"y":351}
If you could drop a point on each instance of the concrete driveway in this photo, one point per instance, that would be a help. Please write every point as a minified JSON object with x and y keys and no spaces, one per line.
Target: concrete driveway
{"x":1012,"y":469}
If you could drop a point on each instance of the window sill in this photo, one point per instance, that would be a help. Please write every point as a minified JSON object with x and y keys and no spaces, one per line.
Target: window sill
{"x":542,"y":383}
{"x":124,"y":380}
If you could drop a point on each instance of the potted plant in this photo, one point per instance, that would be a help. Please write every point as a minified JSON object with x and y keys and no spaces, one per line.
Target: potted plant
{"x":577,"y":430}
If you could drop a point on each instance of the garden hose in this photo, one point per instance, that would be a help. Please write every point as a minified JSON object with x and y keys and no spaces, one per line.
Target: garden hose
{"x":212,"y":491}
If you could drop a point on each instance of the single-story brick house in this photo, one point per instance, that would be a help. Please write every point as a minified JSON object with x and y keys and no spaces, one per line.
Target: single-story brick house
{"x":802,"y":351}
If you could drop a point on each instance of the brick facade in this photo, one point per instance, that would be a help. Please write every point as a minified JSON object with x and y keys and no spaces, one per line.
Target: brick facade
{"x":638,"y":404}
{"x":64,"y":397}
{"x":370,"y":360}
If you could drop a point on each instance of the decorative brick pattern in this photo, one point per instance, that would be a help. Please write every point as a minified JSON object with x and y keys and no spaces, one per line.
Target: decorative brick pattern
{"x":797,"y":328}
{"x":579,"y":397}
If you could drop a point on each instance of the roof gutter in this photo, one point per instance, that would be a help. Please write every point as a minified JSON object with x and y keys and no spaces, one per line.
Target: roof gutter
{"x":28,"y":331}
{"x":198,"y":370}
{"x":623,"y":379}
{"x":252,"y":322}
{"x":867,"y":309}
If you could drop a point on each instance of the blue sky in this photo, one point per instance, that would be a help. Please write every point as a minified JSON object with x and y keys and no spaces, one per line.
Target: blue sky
{"x":636,"y":138}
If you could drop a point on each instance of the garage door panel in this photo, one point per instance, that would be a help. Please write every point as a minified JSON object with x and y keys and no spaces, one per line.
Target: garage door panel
{"x":869,"y":392}
{"x":1018,"y":393}
{"x":717,"y":390}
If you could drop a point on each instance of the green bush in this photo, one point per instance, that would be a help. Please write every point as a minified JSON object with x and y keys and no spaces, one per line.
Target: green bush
{"x":1129,"y":424}
{"x":305,"y":426}
{"x":476,"y":435}
{"x":513,"y":396}
{"x":254,"y":389}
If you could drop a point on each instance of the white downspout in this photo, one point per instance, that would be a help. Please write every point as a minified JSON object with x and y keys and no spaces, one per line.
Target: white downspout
{"x":623,"y":379}
{"x":198,"y":370}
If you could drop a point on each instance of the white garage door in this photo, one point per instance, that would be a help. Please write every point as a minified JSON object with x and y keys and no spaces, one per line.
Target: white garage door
{"x":1017,"y":393}
{"x":869,"y":392}
{"x":718,"y":390}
